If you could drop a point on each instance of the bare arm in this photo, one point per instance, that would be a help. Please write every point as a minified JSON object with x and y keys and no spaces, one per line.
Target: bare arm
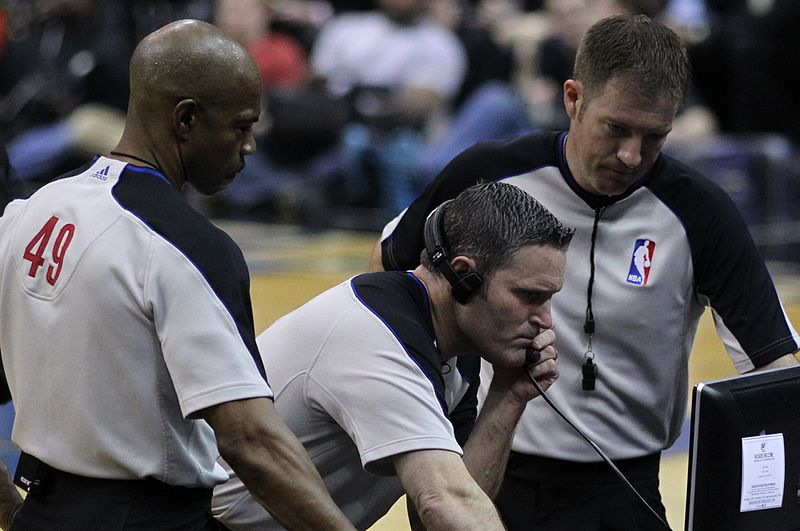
{"x":375,"y":260}
{"x":273,"y":464}
{"x":487,"y":449}
{"x":10,"y":499}
{"x":789,"y":360}
{"x":410,"y":106}
{"x":444,"y":495}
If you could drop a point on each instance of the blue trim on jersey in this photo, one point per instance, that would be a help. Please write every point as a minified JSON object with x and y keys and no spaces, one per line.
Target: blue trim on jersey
{"x":151,"y":171}
{"x":423,"y":291}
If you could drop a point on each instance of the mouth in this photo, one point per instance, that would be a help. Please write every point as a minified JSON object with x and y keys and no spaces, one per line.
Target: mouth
{"x":622,"y":173}
{"x":524,"y":343}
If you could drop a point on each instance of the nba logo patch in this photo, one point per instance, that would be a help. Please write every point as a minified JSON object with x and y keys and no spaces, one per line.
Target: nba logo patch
{"x":640,"y":262}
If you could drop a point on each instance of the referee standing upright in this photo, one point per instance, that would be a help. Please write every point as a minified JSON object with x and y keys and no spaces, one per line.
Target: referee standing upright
{"x":125,"y":320}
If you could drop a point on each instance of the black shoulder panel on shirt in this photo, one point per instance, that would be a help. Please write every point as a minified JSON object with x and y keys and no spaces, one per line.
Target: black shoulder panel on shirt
{"x":728,"y":267}
{"x":210,"y":249}
{"x":483,"y":162}
{"x":400,"y":301}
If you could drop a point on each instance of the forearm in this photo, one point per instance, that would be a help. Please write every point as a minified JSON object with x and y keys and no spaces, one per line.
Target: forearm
{"x":789,"y":360}
{"x":10,"y":499}
{"x":487,"y":449}
{"x":467,"y":511}
{"x":281,"y":477}
{"x":442,"y":495}
{"x":274,"y":466}
{"x":454,"y":514}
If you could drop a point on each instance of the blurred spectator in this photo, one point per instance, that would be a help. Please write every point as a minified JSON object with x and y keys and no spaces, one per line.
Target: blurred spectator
{"x":63,"y":84}
{"x":3,"y":29}
{"x":353,"y":133}
{"x":399,"y":68}
{"x":62,"y":54}
{"x":342,"y":6}
{"x":10,"y":186}
{"x":741,"y":66}
{"x":487,"y":59}
{"x":281,"y":59}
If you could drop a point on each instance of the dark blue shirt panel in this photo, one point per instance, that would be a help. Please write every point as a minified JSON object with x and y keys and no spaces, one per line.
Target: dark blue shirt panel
{"x":402,"y":303}
{"x":148,"y":196}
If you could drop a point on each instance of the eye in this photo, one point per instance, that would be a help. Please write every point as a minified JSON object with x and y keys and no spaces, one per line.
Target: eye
{"x":656,"y":138}
{"x":532,"y":297}
{"x":616,"y":130}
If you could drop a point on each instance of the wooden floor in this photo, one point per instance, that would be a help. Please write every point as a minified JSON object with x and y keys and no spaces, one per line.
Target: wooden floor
{"x":289,"y":266}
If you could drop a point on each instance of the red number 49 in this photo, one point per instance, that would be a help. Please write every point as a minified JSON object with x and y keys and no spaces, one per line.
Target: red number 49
{"x":40,"y":241}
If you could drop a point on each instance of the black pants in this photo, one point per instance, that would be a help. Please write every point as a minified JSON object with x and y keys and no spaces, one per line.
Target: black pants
{"x":66,"y":502}
{"x":553,"y":495}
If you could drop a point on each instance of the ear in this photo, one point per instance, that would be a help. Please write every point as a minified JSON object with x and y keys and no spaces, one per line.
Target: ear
{"x":184,"y":117}
{"x":573,"y":97}
{"x":462,"y":264}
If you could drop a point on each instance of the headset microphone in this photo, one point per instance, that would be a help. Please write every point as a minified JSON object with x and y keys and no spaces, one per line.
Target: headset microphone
{"x":532,"y":357}
{"x":463,"y":285}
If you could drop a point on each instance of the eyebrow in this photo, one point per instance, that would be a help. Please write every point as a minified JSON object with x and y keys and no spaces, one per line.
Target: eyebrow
{"x":625,"y":125}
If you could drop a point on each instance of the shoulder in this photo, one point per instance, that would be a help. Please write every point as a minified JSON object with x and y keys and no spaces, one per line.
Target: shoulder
{"x":518,"y":154}
{"x":401,"y":302}
{"x":495,"y":160}
{"x":390,"y":294}
{"x":167,"y":214}
{"x":690,"y":194}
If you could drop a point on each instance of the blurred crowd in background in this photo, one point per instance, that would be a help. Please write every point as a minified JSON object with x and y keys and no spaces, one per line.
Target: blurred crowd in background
{"x":366,"y":100}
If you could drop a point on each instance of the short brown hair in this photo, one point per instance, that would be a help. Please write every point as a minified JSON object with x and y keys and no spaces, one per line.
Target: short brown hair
{"x":641,"y":52}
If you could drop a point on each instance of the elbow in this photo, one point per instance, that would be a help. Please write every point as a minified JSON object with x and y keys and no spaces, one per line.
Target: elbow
{"x":432,"y":508}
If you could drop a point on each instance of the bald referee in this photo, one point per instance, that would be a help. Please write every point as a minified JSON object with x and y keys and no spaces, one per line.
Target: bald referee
{"x":126,"y":327}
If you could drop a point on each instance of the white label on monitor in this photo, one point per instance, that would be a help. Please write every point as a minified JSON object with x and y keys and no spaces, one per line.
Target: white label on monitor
{"x":763,"y":469}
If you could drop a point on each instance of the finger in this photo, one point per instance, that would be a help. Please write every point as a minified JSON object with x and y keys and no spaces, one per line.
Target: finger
{"x":545,"y":369}
{"x":544,"y":339}
{"x":547,"y":354}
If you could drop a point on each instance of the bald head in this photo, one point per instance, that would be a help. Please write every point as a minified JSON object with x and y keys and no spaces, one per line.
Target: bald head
{"x":188,"y":59}
{"x":195,"y":95}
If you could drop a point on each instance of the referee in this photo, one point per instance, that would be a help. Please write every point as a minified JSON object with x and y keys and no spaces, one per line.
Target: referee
{"x":378,"y":376}
{"x":126,"y":326}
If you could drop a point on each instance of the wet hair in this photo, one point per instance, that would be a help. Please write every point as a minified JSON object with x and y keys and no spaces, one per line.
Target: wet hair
{"x":642,"y":53}
{"x":490,"y":222}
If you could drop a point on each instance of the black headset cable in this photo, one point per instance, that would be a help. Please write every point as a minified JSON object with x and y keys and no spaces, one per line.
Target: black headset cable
{"x":527,"y":368}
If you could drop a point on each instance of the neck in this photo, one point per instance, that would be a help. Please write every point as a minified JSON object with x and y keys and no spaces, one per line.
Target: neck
{"x":442,"y":312}
{"x":136,"y":158}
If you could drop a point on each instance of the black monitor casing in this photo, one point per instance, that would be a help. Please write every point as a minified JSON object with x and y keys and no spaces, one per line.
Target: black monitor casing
{"x":723,"y":412}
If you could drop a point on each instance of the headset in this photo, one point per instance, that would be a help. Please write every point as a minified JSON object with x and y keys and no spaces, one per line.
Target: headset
{"x":464,"y":285}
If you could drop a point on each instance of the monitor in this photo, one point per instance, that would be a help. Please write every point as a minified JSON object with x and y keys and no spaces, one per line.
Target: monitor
{"x":744,"y":453}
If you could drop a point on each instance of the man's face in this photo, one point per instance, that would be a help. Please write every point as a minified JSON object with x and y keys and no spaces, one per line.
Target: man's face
{"x":221,"y":140}
{"x":514,"y":306}
{"x":614,"y":138}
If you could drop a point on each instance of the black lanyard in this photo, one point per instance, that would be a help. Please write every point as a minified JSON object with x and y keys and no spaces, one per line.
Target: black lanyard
{"x":589,"y":369}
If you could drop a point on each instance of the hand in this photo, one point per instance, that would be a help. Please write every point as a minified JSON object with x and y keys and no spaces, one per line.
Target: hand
{"x":10,"y":499}
{"x":545,"y":370}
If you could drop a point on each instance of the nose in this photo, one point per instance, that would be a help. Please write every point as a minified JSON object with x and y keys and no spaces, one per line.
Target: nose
{"x":630,"y":152}
{"x":541,"y":316}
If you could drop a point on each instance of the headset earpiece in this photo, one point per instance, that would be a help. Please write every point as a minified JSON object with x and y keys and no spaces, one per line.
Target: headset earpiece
{"x":464,"y":285}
